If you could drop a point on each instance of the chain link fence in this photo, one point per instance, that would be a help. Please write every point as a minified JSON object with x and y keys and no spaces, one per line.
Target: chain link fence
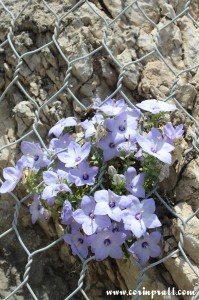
{"x":102,"y":47}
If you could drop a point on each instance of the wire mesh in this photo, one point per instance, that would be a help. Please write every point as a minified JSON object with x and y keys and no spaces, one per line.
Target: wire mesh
{"x":103,"y":46}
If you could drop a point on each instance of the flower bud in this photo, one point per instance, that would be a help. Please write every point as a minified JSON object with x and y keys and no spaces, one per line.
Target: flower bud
{"x":117,"y":179}
{"x":112,"y":171}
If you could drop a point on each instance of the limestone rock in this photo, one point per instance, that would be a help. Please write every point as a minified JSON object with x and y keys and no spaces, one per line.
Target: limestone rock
{"x":155,"y":80}
{"x":186,"y":94}
{"x":182,"y":274}
{"x":130,"y":272}
{"x":188,"y":187}
{"x":191,"y":235}
{"x":24,"y":116}
{"x":190,"y":38}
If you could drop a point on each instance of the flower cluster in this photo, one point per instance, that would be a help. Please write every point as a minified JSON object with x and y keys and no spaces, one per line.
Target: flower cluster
{"x":95,"y":184}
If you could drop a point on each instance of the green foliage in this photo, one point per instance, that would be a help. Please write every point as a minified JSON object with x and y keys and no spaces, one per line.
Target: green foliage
{"x":30,"y":181}
{"x":152,"y":167}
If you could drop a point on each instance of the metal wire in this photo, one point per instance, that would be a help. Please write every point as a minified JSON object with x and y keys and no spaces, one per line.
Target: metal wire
{"x":107,"y":23}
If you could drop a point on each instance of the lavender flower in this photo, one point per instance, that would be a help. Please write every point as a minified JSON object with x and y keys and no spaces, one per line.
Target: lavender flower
{"x":109,"y":147}
{"x":34,"y":158}
{"x":83,"y":174}
{"x":128,"y":146}
{"x":106,"y":243}
{"x":124,"y":125}
{"x":36,"y":209}
{"x":12,"y":176}
{"x":112,"y":107}
{"x":108,"y":203}
{"x":134,"y":183}
{"x":58,"y":128}
{"x":119,"y":227}
{"x":86,"y":216}
{"x":146,"y":247}
{"x":66,"y":214}
{"x":140,"y":216}
{"x":90,"y":125}
{"x":78,"y":243}
{"x":155,"y":145}
{"x":173,"y":133}
{"x":75,"y":155}
{"x":156,"y":106}
{"x":58,"y":144}
{"x":55,"y":184}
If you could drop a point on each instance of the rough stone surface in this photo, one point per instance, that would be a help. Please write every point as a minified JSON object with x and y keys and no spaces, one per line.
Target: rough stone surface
{"x":188,"y":187}
{"x":182,"y":274}
{"x":191,"y":236}
{"x":173,"y":47}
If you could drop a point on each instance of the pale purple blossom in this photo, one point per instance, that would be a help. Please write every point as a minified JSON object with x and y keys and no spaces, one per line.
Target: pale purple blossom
{"x":173,"y":133}
{"x":33,"y":156}
{"x":112,"y":107}
{"x":12,"y":176}
{"x":58,"y":144}
{"x":156,"y":106}
{"x":128,"y":146}
{"x":84,"y":174}
{"x":90,"y":125}
{"x":78,"y":243}
{"x":75,"y":154}
{"x":119,"y":227}
{"x":55,"y":182}
{"x":108,"y":203}
{"x":36,"y":208}
{"x":66,"y":213}
{"x":106,"y":243}
{"x":140,"y":216}
{"x":146,"y":247}
{"x":124,"y":125}
{"x":96,"y":103}
{"x":86,"y":216}
{"x":58,"y":128}
{"x":155,"y":145}
{"x":109,"y":147}
{"x":134,"y":182}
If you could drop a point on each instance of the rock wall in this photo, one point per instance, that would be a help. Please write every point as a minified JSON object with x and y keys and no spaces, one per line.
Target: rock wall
{"x":173,"y":47}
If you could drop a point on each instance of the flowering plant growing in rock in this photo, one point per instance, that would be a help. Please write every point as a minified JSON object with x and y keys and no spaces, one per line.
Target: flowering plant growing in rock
{"x":95,"y":183}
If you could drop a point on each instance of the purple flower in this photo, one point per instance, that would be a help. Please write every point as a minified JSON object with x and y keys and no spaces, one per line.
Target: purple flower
{"x":58,"y":144}
{"x":12,"y":176}
{"x":108,"y":203}
{"x":112,"y":107}
{"x":83,"y":174}
{"x":78,"y":243}
{"x":124,"y":125}
{"x":34,"y":158}
{"x":55,"y":184}
{"x":75,"y":155}
{"x":90,"y":125}
{"x":146,"y":247}
{"x":156,"y":106}
{"x":96,"y":103}
{"x":106,"y":243}
{"x":173,"y":133}
{"x":36,"y":209}
{"x":128,"y":146}
{"x":119,"y":227}
{"x":134,"y":182}
{"x":58,"y":128}
{"x":86,"y":216}
{"x":140,"y":216}
{"x":67,"y":213}
{"x":155,"y":145}
{"x":109,"y":147}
